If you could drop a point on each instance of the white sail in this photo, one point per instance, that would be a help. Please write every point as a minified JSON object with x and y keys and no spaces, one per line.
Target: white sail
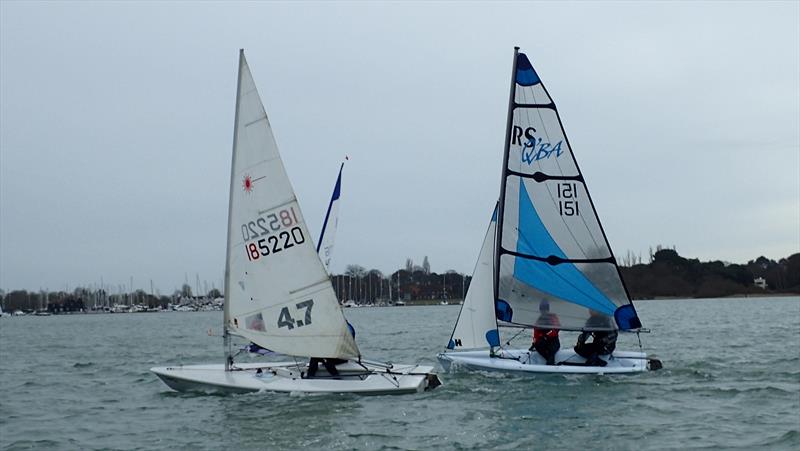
{"x":278,"y":294}
{"x":476,"y":326}
{"x":328,"y":234}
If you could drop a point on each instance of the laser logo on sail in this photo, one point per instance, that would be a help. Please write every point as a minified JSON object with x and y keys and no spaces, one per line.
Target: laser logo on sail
{"x":247,"y":184}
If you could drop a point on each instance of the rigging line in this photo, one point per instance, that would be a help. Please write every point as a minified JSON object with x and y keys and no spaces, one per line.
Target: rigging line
{"x":393,"y":380}
{"x":501,"y":356}
{"x":508,"y":343}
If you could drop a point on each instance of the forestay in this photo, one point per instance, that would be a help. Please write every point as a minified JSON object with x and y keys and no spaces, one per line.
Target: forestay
{"x":476,"y":326}
{"x":278,"y":294}
{"x":328,"y":233}
{"x":552,"y":246}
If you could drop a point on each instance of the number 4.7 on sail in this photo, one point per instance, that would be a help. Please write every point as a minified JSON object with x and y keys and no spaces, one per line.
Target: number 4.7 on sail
{"x":286,"y":320}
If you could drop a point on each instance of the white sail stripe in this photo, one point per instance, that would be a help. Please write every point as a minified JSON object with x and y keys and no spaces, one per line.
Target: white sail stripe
{"x":281,"y":205}
{"x":257,"y":163}
{"x":321,"y":283}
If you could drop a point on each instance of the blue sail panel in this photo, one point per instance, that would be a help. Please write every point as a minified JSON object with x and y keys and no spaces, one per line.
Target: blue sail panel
{"x":526,"y":74}
{"x":337,"y":191}
{"x":563,"y":280}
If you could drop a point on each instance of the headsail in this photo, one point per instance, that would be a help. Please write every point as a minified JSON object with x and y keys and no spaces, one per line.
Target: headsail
{"x":551,"y":244}
{"x":476,"y":326}
{"x":328,"y":233}
{"x":277,"y":292}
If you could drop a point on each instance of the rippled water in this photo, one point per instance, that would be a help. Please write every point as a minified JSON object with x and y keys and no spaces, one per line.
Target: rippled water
{"x":731,"y":380}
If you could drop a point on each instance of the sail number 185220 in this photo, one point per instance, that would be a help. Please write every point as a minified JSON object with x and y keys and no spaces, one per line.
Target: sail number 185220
{"x":274,"y":243}
{"x":272,"y":233}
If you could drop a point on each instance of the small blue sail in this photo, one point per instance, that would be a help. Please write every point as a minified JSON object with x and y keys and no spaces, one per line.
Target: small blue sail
{"x":337,"y":190}
{"x":526,"y":74}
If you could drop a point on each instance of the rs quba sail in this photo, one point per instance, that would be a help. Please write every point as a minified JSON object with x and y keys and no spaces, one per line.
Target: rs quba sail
{"x":551,"y":246}
{"x":545,"y":254}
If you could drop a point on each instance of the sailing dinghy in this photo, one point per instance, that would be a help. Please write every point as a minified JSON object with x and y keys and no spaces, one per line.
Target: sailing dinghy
{"x":544,"y":250}
{"x":277,"y":292}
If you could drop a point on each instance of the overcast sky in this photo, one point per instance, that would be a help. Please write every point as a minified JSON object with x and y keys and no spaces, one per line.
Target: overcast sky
{"x":116,"y":124}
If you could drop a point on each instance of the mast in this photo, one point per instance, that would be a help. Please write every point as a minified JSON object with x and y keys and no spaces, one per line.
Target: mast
{"x":504,"y":177}
{"x":227,"y":301}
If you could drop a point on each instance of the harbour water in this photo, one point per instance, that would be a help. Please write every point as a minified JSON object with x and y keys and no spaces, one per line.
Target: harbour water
{"x":731,"y":379}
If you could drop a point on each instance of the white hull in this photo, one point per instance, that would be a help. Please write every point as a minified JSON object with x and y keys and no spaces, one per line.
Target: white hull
{"x":286,"y":377}
{"x":524,"y":361}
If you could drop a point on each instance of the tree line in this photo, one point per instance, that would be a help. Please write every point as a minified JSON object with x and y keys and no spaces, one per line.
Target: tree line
{"x":670,"y":275}
{"x":666,"y":275}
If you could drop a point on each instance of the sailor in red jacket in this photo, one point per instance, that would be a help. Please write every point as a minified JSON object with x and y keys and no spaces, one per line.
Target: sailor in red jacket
{"x":545,"y":334}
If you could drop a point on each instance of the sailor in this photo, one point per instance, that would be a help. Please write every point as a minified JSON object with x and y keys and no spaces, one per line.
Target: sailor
{"x":603,"y":341}
{"x":329,"y":364}
{"x":545,"y":333}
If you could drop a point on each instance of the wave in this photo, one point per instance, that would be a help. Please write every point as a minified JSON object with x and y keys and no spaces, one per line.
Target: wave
{"x":791,"y":438}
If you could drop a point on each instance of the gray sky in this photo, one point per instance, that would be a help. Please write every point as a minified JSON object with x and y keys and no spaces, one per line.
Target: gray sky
{"x":116,"y":124}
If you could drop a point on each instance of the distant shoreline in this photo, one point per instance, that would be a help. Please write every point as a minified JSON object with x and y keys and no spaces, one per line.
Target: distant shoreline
{"x":731,"y":296}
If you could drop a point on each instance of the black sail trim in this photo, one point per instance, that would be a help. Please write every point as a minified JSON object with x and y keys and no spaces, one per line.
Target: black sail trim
{"x":542,"y":177}
{"x":554,"y":260}
{"x":549,"y":106}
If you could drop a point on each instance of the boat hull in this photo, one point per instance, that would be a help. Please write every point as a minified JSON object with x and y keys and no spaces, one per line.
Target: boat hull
{"x":524,"y":361}
{"x":288,"y":377}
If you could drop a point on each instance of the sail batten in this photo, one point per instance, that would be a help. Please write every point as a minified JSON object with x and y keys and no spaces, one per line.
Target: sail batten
{"x":550,"y":106}
{"x":551,"y":248}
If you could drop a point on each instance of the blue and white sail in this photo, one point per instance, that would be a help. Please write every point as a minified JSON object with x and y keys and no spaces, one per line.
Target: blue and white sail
{"x":328,"y":233}
{"x":551,"y":245}
{"x":476,"y":327}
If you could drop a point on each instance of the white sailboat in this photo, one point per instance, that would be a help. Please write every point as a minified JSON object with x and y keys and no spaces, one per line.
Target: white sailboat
{"x":545,"y":254}
{"x":278,"y":294}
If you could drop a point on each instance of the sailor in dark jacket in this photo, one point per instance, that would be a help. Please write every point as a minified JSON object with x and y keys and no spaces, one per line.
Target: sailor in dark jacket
{"x":604,"y":339}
